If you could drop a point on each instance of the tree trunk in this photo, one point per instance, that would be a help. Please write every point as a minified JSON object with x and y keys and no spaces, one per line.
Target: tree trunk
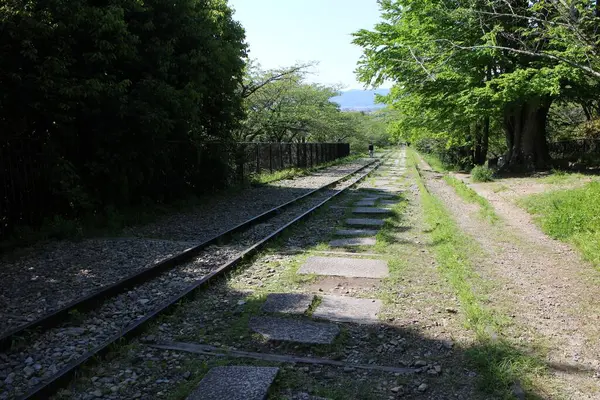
{"x":525,"y":129}
{"x":481,"y":135}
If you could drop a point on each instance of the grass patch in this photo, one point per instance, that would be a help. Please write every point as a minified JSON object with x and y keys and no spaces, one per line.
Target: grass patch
{"x":561,"y":177}
{"x":466,"y":193}
{"x":290,"y":173}
{"x":435,"y":163}
{"x":572,"y":216}
{"x":499,"y":363}
{"x":482,"y":174}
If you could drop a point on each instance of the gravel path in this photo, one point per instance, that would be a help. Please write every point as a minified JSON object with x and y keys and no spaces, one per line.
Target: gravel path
{"x":39,"y":279}
{"x":545,"y":286}
{"x":41,"y":356}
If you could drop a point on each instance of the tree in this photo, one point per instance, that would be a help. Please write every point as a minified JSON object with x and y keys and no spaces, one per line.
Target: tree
{"x":467,"y":67}
{"x":123,"y":96}
{"x":282,"y":106}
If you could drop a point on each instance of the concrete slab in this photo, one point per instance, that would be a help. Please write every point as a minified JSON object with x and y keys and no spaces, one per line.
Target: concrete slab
{"x":365,"y":203}
{"x":304,"y":396}
{"x":371,"y":210}
{"x":388,"y":202}
{"x":235,"y":383}
{"x":287,"y":303}
{"x":364,"y":222}
{"x":355,"y":232}
{"x":294,"y":330}
{"x":359,"y":241}
{"x":345,"y":266}
{"x":348,"y":309}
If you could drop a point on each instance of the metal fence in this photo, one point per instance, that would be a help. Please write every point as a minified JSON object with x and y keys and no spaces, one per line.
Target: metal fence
{"x":574,"y":149}
{"x":32,"y":182}
{"x":256,"y":158}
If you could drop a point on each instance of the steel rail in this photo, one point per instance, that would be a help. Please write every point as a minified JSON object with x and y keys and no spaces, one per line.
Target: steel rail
{"x":46,"y":389}
{"x":96,"y":298}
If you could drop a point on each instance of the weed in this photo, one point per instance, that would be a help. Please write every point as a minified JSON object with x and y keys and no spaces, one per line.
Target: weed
{"x":487,"y":211}
{"x":482,"y":174}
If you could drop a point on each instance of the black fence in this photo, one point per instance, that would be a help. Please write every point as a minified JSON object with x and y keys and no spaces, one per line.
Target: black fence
{"x":34,"y":186}
{"x":574,"y":149}
{"x":257,"y":158}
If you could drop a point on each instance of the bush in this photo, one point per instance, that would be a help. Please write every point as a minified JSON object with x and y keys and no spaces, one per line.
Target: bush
{"x":482,"y":174}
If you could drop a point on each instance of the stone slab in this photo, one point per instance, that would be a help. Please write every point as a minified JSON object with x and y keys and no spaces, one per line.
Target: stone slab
{"x":365,"y":203}
{"x":345,"y":266}
{"x":294,"y":330}
{"x":357,"y":241}
{"x":287,"y":303}
{"x":235,"y":383}
{"x":388,"y":202}
{"x":348,"y":309}
{"x":355,"y":232}
{"x":371,"y":210}
{"x":304,"y":396}
{"x":364,"y":222}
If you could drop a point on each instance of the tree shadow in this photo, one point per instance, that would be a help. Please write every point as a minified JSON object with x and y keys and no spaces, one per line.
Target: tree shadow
{"x":439,"y":368}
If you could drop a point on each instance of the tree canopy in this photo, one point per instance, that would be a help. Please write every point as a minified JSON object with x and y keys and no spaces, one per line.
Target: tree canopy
{"x":465,"y":70}
{"x":121,"y":96}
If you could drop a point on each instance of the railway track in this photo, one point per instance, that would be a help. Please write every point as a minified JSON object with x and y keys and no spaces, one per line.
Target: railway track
{"x":83,"y":330}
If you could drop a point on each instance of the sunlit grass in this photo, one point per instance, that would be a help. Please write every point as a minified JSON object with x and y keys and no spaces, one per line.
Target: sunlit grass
{"x":572,"y":216}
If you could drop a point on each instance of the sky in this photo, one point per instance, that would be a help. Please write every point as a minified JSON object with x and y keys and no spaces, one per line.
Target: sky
{"x":283,"y":32}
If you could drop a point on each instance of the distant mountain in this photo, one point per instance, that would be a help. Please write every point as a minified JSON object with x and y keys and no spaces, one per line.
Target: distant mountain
{"x":359,"y":100}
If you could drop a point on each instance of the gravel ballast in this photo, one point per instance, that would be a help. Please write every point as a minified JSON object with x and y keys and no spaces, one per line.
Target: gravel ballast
{"x":39,"y":279}
{"x":43,"y":355}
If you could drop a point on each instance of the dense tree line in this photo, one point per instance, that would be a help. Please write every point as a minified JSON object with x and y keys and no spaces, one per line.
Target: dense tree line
{"x":470,"y":71}
{"x":117,"y":99}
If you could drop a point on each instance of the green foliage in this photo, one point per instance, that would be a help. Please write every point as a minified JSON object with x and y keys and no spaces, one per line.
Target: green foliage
{"x":482,"y":174}
{"x":572,"y":216}
{"x":471,"y":72}
{"x":281,"y":106}
{"x":122,"y":96}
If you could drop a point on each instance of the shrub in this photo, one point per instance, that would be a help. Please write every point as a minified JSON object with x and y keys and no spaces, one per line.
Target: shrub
{"x":482,"y":174}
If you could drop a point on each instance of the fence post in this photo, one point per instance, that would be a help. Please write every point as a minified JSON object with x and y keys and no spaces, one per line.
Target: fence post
{"x":271,"y":157}
{"x":281,"y":166}
{"x":257,"y":158}
{"x":291,"y":158}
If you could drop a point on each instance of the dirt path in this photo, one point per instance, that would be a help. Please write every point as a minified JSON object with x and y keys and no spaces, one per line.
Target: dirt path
{"x":546,"y":288}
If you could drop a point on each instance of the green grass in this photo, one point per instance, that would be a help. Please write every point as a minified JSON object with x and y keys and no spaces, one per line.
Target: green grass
{"x":289,"y":173}
{"x":487,"y":211}
{"x":572,"y":216}
{"x":500,"y":363}
{"x":435,"y":163}
{"x":561,"y":177}
{"x":482,"y":174}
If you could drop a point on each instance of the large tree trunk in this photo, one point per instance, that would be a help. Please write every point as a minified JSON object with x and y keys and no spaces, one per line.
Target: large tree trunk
{"x":481,"y":135}
{"x":525,"y":128}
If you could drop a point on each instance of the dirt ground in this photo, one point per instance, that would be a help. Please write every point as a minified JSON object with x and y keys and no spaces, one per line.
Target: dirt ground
{"x":547,"y":289}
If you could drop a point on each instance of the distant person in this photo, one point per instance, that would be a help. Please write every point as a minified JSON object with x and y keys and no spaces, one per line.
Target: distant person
{"x":371,"y":150}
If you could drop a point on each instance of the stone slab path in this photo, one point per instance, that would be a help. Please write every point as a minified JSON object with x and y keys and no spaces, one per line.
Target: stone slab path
{"x":364,"y":222}
{"x":356,"y":241}
{"x":287,"y":303}
{"x":371,"y":210}
{"x":348,"y":267}
{"x":365,"y":203}
{"x":348,"y":309}
{"x":235,"y":383}
{"x":355,"y":232}
{"x":294,"y":330}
